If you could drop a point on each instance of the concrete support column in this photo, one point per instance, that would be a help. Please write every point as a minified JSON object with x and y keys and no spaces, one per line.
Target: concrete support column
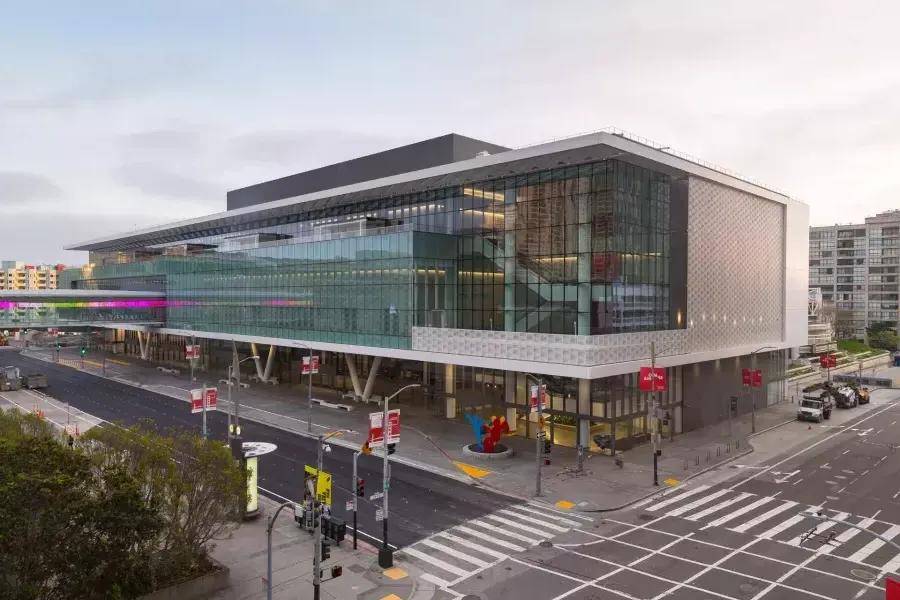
{"x":370,"y":381}
{"x":354,"y":375}
{"x":584,"y":412}
{"x":256,"y":361}
{"x":509,"y":261}
{"x":450,"y":388}
{"x":144,"y":344}
{"x":270,"y":360}
{"x":509,"y":396}
{"x":584,"y":263}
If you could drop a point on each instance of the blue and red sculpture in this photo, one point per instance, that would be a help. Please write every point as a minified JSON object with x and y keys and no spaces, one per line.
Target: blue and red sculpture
{"x":487,"y":433}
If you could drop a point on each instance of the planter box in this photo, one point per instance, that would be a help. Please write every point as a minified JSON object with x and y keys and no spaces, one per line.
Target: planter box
{"x":194,"y":589}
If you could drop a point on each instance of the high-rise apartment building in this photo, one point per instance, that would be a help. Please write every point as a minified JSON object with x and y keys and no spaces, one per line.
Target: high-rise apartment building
{"x":16,"y":275}
{"x":857,"y":266}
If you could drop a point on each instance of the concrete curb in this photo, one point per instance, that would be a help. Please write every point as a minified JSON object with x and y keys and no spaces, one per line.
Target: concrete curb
{"x":782,"y":424}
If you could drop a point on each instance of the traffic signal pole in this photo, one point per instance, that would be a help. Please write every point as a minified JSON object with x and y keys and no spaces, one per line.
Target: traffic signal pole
{"x":355,"y":494}
{"x":317,"y":541}
{"x":269,"y":527}
{"x":537,"y":437}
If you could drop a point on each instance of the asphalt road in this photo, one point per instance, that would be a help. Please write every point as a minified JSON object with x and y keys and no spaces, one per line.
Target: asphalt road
{"x":421,"y":503}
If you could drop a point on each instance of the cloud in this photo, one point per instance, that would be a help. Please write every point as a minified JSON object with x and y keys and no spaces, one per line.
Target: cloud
{"x":18,"y":187}
{"x":308,"y":149}
{"x":158,"y":180}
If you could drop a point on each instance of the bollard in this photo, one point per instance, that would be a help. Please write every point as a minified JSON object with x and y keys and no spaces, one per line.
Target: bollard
{"x":708,"y":455}
{"x":728,"y":448}
{"x":697,"y":461}
{"x":737,"y":444}
{"x":685,"y":465}
{"x":718,"y":451}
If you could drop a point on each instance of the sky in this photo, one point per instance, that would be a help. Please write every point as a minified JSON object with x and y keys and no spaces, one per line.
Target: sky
{"x":117,"y":115}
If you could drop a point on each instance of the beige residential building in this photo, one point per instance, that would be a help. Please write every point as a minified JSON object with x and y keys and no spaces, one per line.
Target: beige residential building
{"x":17,"y":275}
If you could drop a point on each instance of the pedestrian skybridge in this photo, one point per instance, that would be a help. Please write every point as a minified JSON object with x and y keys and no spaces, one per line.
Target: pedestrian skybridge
{"x":26,"y":309}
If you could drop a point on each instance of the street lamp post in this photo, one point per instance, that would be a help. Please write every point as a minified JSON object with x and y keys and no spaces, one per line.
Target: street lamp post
{"x":235,"y":372}
{"x":385,"y":556}
{"x":537,"y":436}
{"x":753,"y":391}
{"x":269,"y":527}
{"x":317,"y":536}
{"x":819,"y":516}
{"x":309,"y":393}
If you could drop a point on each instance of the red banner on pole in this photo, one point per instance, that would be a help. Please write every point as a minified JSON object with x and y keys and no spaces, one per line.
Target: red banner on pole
{"x":306,"y":365}
{"x":652,"y":379}
{"x":211,"y":397}
{"x":534,"y":398}
{"x":376,"y":428}
{"x":756,"y":378}
{"x":746,"y":376}
{"x":828,"y":360}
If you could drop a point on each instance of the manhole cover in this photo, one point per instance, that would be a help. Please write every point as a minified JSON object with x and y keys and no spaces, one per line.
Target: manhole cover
{"x":471,"y":597}
{"x":546,"y":544}
{"x":748,"y":588}
{"x":646,"y":517}
{"x":863,"y":574}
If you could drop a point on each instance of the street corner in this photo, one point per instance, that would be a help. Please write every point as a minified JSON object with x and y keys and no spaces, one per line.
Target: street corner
{"x":471,"y":470}
{"x":404,"y":581}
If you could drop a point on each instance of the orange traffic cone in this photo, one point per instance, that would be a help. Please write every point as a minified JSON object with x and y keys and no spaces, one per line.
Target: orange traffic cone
{"x":42,"y":414}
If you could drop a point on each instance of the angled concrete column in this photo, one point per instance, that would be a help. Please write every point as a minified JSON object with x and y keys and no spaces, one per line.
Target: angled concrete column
{"x":354,"y":375}
{"x":144,"y":344}
{"x":509,"y":261}
{"x":370,"y":381}
{"x":257,"y":360}
{"x":270,"y":360}
{"x":450,"y":388}
{"x":584,"y":262}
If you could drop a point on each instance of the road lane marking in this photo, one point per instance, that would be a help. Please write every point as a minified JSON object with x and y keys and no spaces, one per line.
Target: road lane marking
{"x":480,"y":535}
{"x":473,"y":545}
{"x":454,"y":552}
{"x":849,"y":534}
{"x":444,"y":566}
{"x":696,"y":576}
{"x":808,"y":448}
{"x":554,"y":517}
{"x":437,"y":581}
{"x":546,"y":508}
{"x":677,"y":498}
{"x":510,"y":534}
{"x":712,"y":509}
{"x":788,"y":504}
{"x":534,"y":521}
{"x":820,"y":528}
{"x":740,"y":511}
{"x":863,"y":553}
{"x":696,"y":503}
{"x":518,"y":525}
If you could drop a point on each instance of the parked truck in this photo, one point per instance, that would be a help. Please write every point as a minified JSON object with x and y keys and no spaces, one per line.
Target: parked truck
{"x":813,"y":408}
{"x":844,"y":397}
{"x":862,"y":394}
{"x":11,"y":380}
{"x":34,"y":381}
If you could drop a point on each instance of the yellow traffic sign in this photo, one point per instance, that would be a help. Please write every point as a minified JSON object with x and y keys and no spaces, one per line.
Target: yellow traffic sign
{"x":323,"y":486}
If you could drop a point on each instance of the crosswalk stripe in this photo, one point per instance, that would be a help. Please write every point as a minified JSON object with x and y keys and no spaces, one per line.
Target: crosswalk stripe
{"x":768,"y":535}
{"x":454,"y":553}
{"x":534,"y":511}
{"x":692,"y":505}
{"x":863,"y":553}
{"x":677,"y":498}
{"x":512,"y":523}
{"x":510,"y":534}
{"x":534,"y":521}
{"x":820,"y":528}
{"x":435,"y":561}
{"x":499,"y":542}
{"x":434,"y":580}
{"x":740,"y":511}
{"x":716,"y":508}
{"x":765,"y":516}
{"x":472,"y":545}
{"x":549,"y":509}
{"x":847,"y":535}
{"x":892,"y":566}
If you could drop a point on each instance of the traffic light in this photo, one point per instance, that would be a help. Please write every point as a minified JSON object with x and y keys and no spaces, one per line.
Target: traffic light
{"x":336,"y":571}
{"x":326,"y":551}
{"x":58,"y":345}
{"x":548,"y":446}
{"x":392,"y":448}
{"x":83,"y":350}
{"x":360,"y":487}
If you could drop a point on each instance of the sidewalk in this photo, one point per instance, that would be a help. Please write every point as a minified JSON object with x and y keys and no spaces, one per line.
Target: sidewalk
{"x":245,"y":554}
{"x":436,"y":445}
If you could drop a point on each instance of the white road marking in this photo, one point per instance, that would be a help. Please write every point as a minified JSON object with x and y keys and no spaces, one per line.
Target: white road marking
{"x":434,"y":580}
{"x":820,"y":528}
{"x":808,"y":448}
{"x":694,"y":577}
{"x":499,"y":542}
{"x":453,"y":552}
{"x":472,"y":545}
{"x":741,"y":511}
{"x":544,"y":514}
{"x":550,"y":509}
{"x":692,"y":505}
{"x":444,"y":566}
{"x":518,"y":525}
{"x":534,"y":521}
{"x":703,"y":513}
{"x":847,"y":471}
{"x":785,"y":577}
{"x":877,"y":512}
{"x":677,"y":498}
{"x":788,"y":504}
{"x":840,"y":477}
{"x":846,"y":535}
{"x":510,"y":534}
{"x":798,"y":481}
{"x":825,"y":466}
{"x":863,"y":553}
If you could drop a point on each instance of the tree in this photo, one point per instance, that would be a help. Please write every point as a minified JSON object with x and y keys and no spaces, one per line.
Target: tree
{"x":65,"y":532}
{"x":886,"y":339}
{"x":880,"y":326}
{"x":842,"y":323}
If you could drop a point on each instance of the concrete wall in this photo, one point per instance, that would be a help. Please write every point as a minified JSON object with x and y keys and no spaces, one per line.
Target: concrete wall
{"x":194,"y":589}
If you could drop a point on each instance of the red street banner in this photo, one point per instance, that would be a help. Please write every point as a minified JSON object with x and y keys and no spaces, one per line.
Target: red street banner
{"x":828,"y":360}
{"x":534,"y":398}
{"x":211,"y":397}
{"x":192,"y":351}
{"x":315,"y":365}
{"x":197,"y":397}
{"x":376,"y":431}
{"x":652,"y":379}
{"x":756,"y":379}
{"x":746,"y":377}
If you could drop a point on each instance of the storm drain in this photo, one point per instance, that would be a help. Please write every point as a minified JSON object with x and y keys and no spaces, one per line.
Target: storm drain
{"x":863,"y":574}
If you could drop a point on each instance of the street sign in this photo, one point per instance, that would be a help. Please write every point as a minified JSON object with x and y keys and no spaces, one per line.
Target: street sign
{"x":197,"y":400}
{"x":192,"y":351}
{"x":379,"y":514}
{"x":376,"y":430}
{"x":211,"y":397}
{"x":323,"y":488}
{"x":315,"y":364}
{"x":349,"y":505}
{"x":534,"y":398}
{"x":376,"y":496}
{"x":734,"y":404}
{"x":652,"y":379}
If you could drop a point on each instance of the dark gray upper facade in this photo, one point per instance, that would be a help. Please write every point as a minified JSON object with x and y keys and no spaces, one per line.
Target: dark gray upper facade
{"x":435,"y":152}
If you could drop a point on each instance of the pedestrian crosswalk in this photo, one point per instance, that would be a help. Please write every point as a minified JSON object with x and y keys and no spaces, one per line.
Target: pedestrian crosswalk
{"x":452,"y":555}
{"x":862,"y":540}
